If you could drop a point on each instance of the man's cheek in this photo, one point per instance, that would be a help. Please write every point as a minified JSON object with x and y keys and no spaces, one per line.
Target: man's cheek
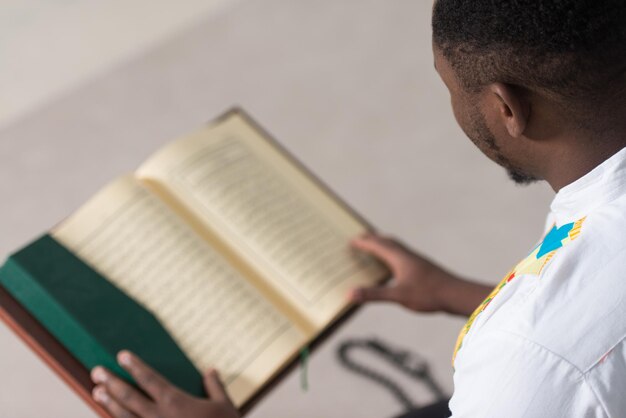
{"x":456,"y":111}
{"x":464,"y":120}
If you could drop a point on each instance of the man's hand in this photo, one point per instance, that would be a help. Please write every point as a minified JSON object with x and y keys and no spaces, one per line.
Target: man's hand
{"x":418,"y":284}
{"x":163,"y":401}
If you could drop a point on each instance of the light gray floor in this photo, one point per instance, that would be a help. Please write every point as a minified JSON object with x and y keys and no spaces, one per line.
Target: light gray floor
{"x":49,"y":47}
{"x":349,"y":87}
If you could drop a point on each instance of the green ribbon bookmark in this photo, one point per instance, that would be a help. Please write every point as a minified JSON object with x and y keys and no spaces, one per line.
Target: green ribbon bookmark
{"x":304,"y":366}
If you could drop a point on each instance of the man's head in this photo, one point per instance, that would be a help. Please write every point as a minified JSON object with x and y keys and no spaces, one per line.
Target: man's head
{"x":528,"y":79}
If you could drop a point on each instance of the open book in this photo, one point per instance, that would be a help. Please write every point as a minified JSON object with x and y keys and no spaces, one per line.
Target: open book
{"x":238,"y":253}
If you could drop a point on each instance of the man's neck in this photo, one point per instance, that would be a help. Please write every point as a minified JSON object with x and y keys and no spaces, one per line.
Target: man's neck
{"x":578,"y":158}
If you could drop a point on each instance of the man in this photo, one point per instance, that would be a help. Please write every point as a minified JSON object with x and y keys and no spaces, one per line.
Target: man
{"x":539,"y":87}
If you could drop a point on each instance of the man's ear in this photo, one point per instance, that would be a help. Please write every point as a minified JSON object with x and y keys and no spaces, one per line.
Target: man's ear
{"x":512,"y":107}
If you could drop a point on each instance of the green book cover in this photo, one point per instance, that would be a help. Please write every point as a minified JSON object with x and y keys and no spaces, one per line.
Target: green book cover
{"x":91,"y":317}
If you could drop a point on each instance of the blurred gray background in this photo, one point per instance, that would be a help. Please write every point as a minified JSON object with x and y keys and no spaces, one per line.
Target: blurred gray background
{"x":347,"y":85}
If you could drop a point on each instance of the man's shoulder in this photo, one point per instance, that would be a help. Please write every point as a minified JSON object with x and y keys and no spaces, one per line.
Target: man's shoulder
{"x":577,"y":308}
{"x":602,"y":233}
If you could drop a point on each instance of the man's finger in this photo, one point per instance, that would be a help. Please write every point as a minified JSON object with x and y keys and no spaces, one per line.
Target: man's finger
{"x":370,"y":294}
{"x":101,"y":396}
{"x":214,"y":387}
{"x":123,"y":393}
{"x":149,"y":380}
{"x":384,"y":249}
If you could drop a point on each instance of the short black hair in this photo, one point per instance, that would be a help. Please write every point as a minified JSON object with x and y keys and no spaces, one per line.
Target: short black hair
{"x":572,"y":50}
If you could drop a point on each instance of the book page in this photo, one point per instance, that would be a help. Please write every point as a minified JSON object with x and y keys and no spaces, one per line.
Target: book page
{"x":271,"y":212}
{"x":213,"y":313}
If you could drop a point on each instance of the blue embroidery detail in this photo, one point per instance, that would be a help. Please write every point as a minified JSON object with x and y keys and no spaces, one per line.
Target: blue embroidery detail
{"x":554,"y":238}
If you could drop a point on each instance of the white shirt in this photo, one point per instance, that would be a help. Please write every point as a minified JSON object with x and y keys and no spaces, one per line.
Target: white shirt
{"x":551,"y":342}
